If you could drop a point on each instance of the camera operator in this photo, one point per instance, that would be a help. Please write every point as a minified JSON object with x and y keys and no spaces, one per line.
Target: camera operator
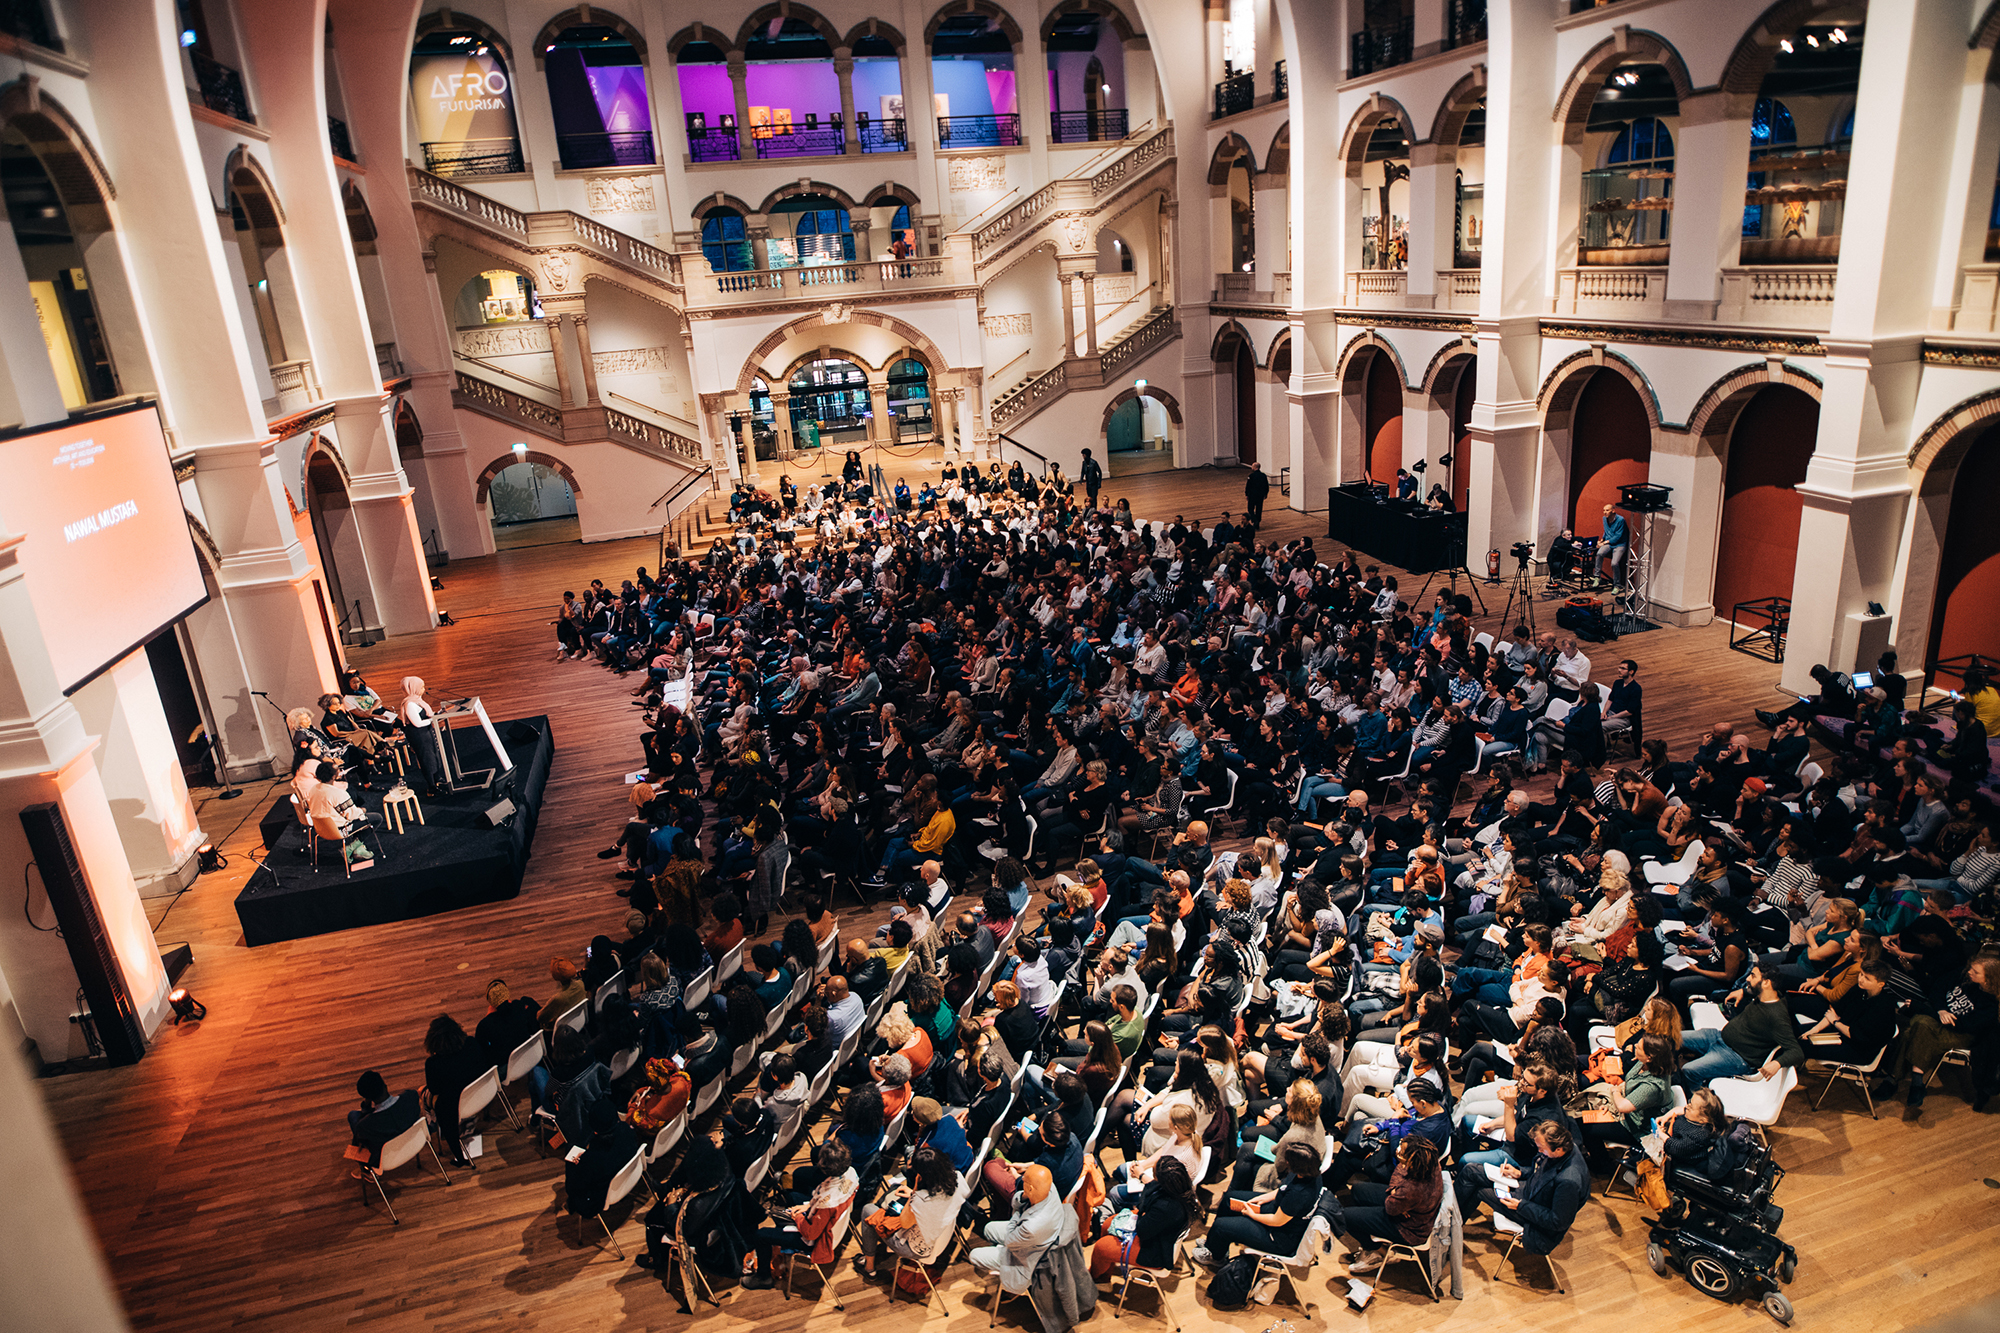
{"x":1562,"y":556}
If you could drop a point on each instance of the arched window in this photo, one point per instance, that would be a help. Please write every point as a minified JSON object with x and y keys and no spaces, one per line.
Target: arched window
{"x":708,"y":102}
{"x":597,"y":92}
{"x":464,"y":105}
{"x":972,"y":77}
{"x":829,"y":403}
{"x":1771,"y":129}
{"x":810,"y":229}
{"x":879,"y":119}
{"x":725,"y":240}
{"x":910,"y":398}
{"x":793,"y":90}
{"x":1086,"y":79}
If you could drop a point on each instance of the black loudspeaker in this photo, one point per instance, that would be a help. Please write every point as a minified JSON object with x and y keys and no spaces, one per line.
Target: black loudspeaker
{"x":90,"y":951}
{"x":1586,"y":623}
{"x":521,"y":733}
{"x":493,"y":816}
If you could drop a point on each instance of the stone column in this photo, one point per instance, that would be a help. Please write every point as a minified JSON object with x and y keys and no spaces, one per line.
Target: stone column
{"x":1857,"y":487}
{"x":1433,"y":206}
{"x":843,"y":71}
{"x":50,"y":758}
{"x":1708,"y":202}
{"x":582,"y":325}
{"x":1069,"y":316}
{"x":558,"y":345}
{"x":739,"y":82}
{"x":881,"y":427}
{"x":781,"y":419}
{"x":142,"y":776}
{"x":943,"y":402}
{"x":746,"y":445}
{"x":1089,"y":281}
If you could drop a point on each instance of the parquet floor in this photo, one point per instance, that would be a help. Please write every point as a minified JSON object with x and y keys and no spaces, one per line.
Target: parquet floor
{"x":213,"y":1172}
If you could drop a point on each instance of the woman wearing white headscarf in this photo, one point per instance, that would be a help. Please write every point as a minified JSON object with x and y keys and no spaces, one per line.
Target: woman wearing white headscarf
{"x":419,"y":723}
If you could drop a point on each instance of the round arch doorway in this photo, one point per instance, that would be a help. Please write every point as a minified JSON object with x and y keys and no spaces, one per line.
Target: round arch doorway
{"x":1964,"y":627}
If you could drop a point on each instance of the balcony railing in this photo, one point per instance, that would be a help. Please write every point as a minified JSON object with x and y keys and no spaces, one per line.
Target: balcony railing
{"x":1087,"y":126}
{"x":1458,"y":289}
{"x":29,"y":20}
{"x":580,"y":152}
{"x":820,"y":282}
{"x":1236,"y":93}
{"x":979,"y":131}
{"x":1464,"y":23}
{"x":1377,"y":288}
{"x":474,"y":157}
{"x":709,"y":144}
{"x":338,"y":140}
{"x":1281,"y":87}
{"x":220,"y":88}
{"x":884,"y":136}
{"x":1799,"y":297}
{"x":1374,"y":49}
{"x":799,"y":141}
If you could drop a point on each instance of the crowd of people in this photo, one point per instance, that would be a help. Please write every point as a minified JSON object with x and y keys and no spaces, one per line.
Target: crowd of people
{"x":1388,"y":1009}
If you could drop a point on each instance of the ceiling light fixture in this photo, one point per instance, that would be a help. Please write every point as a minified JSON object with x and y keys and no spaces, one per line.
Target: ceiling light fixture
{"x":1786,"y":46}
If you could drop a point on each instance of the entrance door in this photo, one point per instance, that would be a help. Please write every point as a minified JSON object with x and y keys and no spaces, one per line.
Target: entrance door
{"x":1246,"y":405}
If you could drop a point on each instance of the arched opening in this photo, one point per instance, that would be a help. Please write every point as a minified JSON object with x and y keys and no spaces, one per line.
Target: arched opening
{"x":1382,"y":418}
{"x":972,"y":83}
{"x":1469,"y":218}
{"x":1628,"y":197}
{"x":1086,"y":59}
{"x":269,"y":292}
{"x":1464,"y":390}
{"x":809,"y":229}
{"x":1245,"y":377}
{"x":497,"y":296}
{"x":1963,"y":621}
{"x":531,"y":504}
{"x":793,"y":91}
{"x":1385,"y":197}
{"x":1801,"y":128}
{"x":1757,"y":544}
{"x":597,"y":94}
{"x":336,"y":540}
{"x":410,"y":453}
{"x":910,"y":400}
{"x":708,"y":102}
{"x":1611,"y":445}
{"x":880,"y":120}
{"x":361,"y":235}
{"x":829,"y":403}
{"x":59,"y":283}
{"x":1139,"y":427}
{"x":1242,"y":218}
{"x":464,"y":105}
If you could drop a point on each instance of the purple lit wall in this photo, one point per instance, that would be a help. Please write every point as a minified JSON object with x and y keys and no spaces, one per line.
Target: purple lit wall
{"x":874,"y":79}
{"x":619,"y":92}
{"x":1066,"y":69}
{"x":799,"y":86}
{"x":979,"y":86}
{"x":705,"y":88}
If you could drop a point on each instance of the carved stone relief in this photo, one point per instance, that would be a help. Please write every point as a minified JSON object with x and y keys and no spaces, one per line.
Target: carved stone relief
{"x":619,"y":194}
{"x":1007,"y":326}
{"x":504,"y":340}
{"x":970,"y":175}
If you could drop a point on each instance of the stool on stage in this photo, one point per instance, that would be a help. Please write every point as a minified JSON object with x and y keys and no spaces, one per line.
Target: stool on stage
{"x":398,"y":804}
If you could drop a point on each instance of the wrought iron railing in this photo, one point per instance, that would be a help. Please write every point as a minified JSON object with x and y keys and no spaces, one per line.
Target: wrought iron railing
{"x":220,"y":88}
{"x":889,"y":135}
{"x":580,"y":152}
{"x":1281,"y":87}
{"x":338,"y":139}
{"x":474,"y":157}
{"x":1464,"y":23}
{"x":709,"y":144}
{"x":1236,"y":93}
{"x":1374,"y":49}
{"x":979,"y":131}
{"x":1088,"y":126}
{"x":29,"y":20}
{"x":800,"y":141}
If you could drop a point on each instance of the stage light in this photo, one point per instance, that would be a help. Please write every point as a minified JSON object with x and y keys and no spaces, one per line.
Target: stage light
{"x":211,"y":859}
{"x":1786,"y":46}
{"x":186,"y":1007}
{"x":1812,"y":41}
{"x":1837,"y":35}
{"x":1445,"y":461}
{"x":1420,"y":466}
{"x":520,"y":447}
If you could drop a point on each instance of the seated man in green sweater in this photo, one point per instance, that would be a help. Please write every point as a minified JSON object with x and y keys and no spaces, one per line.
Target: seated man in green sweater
{"x":1761,"y":1025}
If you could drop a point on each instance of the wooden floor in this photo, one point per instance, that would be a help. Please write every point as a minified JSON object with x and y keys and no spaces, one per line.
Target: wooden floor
{"x":213,"y":1168}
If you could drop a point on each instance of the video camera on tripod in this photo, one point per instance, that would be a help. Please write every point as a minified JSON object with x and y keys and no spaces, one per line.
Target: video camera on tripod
{"x":1523,"y":552}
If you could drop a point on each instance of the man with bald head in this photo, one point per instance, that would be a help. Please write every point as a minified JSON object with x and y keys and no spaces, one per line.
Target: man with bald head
{"x":1040,"y":1222}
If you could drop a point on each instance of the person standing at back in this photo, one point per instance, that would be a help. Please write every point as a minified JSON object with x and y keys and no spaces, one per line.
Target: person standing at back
{"x":1255,"y":488}
{"x":1093,"y":477}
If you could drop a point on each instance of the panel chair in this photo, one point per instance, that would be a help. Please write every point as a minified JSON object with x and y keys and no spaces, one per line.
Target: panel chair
{"x":573,"y":1018}
{"x":613,"y":987}
{"x":402,"y":1149}
{"x":475,"y":1097}
{"x":731,"y":964}
{"x":1316,"y":1242}
{"x":665,"y":1141}
{"x":1515,"y":1233}
{"x":1138,"y":1275}
{"x":825,"y":1273}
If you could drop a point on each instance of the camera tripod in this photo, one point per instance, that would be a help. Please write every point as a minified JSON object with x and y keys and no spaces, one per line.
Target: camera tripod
{"x":1452,"y":576}
{"x":1521,"y":589}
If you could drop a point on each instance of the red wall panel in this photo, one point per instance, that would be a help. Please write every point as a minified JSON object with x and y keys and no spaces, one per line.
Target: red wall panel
{"x":1758,"y":543}
{"x":1967,"y":614}
{"x":1384,"y":418}
{"x":1610,"y":446}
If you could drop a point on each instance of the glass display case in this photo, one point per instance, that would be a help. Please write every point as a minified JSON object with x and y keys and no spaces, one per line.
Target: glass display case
{"x":1800,"y":195}
{"x":1471,"y":229}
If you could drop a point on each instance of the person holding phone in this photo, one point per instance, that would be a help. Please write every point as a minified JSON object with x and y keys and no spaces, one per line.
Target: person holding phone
{"x":1273,"y":1221}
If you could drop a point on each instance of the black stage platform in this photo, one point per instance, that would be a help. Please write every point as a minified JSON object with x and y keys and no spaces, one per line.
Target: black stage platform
{"x":1410,"y":536}
{"x":441,"y":865}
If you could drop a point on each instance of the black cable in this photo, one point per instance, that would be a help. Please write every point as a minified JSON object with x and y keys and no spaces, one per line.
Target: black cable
{"x":27,"y":900}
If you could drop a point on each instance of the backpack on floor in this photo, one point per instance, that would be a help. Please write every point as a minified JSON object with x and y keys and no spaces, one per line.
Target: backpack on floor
{"x":1230,"y":1287}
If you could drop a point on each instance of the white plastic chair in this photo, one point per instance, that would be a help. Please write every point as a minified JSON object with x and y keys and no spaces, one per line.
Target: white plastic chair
{"x":1672,"y":876}
{"x":397,"y":1151}
{"x":573,"y":1018}
{"x":1484,"y":638}
{"x":1759,"y":1101}
{"x":1856,"y":1074}
{"x":1318,"y":1239}
{"x":731,"y":964}
{"x":827,"y":948}
{"x":476,"y":1096}
{"x":622,"y":1061}
{"x":613,"y":987}
{"x":523,"y":1059}
{"x":665,"y":1141}
{"x":622,"y":1184}
{"x":836,"y":1240}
